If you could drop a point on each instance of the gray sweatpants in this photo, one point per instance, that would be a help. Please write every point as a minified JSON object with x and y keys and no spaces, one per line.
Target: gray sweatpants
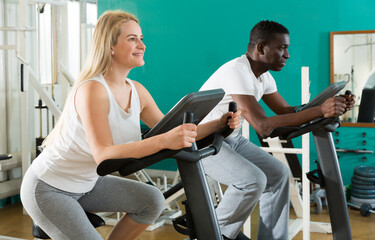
{"x":251,"y":174}
{"x":62,"y":214}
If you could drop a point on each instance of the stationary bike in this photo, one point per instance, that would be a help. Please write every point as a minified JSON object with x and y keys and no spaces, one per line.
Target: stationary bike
{"x":327,"y":174}
{"x":200,"y":222}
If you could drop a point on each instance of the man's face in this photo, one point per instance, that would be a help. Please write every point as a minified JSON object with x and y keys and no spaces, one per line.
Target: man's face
{"x":276,"y":52}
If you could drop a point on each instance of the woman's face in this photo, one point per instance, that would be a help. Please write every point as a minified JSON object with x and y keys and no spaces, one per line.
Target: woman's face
{"x":129,"y":49}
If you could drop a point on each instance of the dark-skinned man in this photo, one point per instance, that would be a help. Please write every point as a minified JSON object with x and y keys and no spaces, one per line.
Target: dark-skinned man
{"x":250,"y":173}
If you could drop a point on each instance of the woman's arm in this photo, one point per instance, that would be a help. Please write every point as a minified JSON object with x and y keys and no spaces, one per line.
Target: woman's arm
{"x":150,"y":113}
{"x":92,"y":105}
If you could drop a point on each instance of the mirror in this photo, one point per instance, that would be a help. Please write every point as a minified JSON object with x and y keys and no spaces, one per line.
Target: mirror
{"x":353,"y":60}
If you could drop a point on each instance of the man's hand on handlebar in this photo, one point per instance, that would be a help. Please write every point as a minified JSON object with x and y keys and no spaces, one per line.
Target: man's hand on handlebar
{"x":333,"y":107}
{"x":179,"y":137}
{"x":233,"y":120}
{"x":349,"y":101}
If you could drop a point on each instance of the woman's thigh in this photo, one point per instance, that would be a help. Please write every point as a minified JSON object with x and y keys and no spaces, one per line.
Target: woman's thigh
{"x":117,"y":194}
{"x":57,"y":212}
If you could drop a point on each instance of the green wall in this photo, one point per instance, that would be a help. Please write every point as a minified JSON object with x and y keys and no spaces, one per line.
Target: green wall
{"x":358,"y":138}
{"x":188,"y":40}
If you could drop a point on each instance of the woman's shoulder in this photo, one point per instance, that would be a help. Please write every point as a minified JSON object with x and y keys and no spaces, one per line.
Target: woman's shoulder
{"x":91,"y":94}
{"x":136,"y":83}
{"x":139,"y":87}
{"x":93,"y":87}
{"x":96,"y":79}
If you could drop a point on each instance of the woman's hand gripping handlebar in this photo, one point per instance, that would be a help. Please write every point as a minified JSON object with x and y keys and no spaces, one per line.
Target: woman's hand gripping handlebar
{"x":189,"y":118}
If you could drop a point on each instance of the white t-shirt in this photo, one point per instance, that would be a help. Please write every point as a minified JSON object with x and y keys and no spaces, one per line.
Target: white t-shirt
{"x":237,"y":77}
{"x":68,"y":164}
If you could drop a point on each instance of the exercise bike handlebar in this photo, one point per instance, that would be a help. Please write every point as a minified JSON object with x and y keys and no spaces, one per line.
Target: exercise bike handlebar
{"x":216,"y":139}
{"x":329,"y":124}
{"x":128,"y":166}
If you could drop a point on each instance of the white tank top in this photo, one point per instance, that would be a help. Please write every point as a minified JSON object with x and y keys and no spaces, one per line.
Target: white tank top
{"x":68,"y":164}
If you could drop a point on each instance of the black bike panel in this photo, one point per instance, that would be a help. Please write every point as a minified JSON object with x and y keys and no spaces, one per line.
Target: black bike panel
{"x":199,"y":103}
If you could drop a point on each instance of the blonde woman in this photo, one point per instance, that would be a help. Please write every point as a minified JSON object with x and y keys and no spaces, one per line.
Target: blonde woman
{"x":101,"y":120}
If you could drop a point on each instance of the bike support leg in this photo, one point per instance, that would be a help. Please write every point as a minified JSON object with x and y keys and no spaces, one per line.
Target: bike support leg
{"x":337,"y":207}
{"x":199,"y":200}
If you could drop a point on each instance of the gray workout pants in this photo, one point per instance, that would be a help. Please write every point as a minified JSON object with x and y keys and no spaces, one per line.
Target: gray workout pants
{"x":61,"y":214}
{"x":251,"y":174}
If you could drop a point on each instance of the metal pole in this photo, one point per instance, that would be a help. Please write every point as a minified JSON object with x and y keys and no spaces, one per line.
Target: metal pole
{"x":305,"y":82}
{"x":55,"y":53}
{"x":6,"y":77}
{"x":83,"y":42}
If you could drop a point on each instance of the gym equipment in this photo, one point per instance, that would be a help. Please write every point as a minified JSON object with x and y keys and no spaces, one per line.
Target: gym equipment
{"x":330,"y":91}
{"x":366,"y":111}
{"x":292,"y":159}
{"x":360,"y":201}
{"x":5,"y":156}
{"x":301,"y":204}
{"x":364,"y":179}
{"x":3,"y":173}
{"x":356,"y":181}
{"x":318,"y":196}
{"x":328,"y":169}
{"x":39,"y":140}
{"x":366,"y":171}
{"x":365,"y":209}
{"x":201,"y":217}
{"x":362,"y":195}
{"x":363,"y":189}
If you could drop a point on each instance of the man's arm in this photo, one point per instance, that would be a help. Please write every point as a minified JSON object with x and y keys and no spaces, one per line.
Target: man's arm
{"x":277,"y":103}
{"x":263,"y":125}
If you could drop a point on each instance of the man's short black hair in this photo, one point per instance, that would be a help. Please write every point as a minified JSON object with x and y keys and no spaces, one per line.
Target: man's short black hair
{"x":264,"y":30}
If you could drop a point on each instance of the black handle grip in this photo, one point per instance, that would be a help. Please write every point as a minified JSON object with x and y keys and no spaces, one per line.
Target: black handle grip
{"x":347,"y":93}
{"x":233,"y":107}
{"x":22,"y":84}
{"x":227,"y":130}
{"x":216,"y":139}
{"x":189,"y":118}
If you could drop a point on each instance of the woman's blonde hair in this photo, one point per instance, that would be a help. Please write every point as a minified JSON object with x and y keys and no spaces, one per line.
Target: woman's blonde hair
{"x":98,"y":61}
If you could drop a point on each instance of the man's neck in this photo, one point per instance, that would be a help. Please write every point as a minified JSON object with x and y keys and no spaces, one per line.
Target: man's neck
{"x":256,"y":66}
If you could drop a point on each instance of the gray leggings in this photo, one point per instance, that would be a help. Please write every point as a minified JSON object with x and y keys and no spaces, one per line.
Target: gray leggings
{"x":62,"y":214}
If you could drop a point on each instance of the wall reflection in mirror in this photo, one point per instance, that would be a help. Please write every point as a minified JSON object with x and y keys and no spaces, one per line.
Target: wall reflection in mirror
{"x":353,"y":61}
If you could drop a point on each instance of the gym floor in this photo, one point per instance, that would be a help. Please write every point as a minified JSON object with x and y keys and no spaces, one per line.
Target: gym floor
{"x":14,"y":224}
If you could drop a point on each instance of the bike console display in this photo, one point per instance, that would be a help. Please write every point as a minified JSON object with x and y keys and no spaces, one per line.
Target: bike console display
{"x":199,"y":103}
{"x":330,"y":91}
